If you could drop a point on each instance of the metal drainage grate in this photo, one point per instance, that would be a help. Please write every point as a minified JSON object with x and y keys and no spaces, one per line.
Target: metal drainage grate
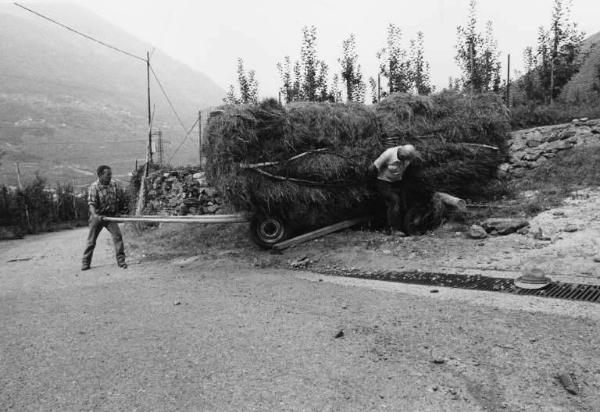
{"x":559,"y":290}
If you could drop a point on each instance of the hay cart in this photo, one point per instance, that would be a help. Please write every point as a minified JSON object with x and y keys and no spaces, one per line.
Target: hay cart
{"x":265,"y":230}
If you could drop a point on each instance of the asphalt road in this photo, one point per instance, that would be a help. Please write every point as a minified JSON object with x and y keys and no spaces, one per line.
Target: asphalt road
{"x":224,"y":335}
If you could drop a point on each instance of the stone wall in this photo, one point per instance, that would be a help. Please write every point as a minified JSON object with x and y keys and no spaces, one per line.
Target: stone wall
{"x":180,"y":192}
{"x":529,"y":148}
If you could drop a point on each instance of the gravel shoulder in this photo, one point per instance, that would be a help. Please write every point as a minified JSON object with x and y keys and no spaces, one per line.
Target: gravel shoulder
{"x":571,"y":235}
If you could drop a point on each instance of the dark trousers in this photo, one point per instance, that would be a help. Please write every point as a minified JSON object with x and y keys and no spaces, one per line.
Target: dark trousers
{"x":395,"y":202}
{"x":96,"y":226}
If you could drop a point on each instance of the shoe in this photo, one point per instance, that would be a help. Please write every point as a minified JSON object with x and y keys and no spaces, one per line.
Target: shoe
{"x":123,"y":265}
{"x":85,"y":267}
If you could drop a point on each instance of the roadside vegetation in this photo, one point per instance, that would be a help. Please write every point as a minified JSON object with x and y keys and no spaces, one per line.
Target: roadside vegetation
{"x":560,"y":80}
{"x":544,"y":94}
{"x":36,"y":207}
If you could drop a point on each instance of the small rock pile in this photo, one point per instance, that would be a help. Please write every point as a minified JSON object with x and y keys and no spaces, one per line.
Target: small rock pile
{"x":531,"y":147}
{"x":181,"y":192}
{"x":498,"y":227}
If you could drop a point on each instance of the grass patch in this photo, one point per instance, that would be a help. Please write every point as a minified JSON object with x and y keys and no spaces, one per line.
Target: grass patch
{"x":172,"y":240}
{"x":545,"y":187}
{"x":533,"y":115}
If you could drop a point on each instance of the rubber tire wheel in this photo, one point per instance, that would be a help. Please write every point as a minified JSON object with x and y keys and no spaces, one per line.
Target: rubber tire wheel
{"x":416,"y":222}
{"x":266,"y":231}
{"x":413,"y":221}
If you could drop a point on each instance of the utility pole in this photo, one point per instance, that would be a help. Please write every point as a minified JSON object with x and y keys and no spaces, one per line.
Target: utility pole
{"x":508,"y":81}
{"x":21,"y":189}
{"x":149,"y":111}
{"x":378,"y":87}
{"x":75,"y":214}
{"x":19,"y":177}
{"x":200,"y":137}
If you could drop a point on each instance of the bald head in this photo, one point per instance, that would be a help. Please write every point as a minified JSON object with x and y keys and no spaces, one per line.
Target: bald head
{"x":407,"y":152}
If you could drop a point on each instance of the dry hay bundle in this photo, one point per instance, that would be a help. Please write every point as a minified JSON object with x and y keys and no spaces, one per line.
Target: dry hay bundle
{"x":337,"y":143}
{"x":447,"y":117}
{"x":460,"y":169}
{"x":452,"y":131}
{"x":253,"y":153}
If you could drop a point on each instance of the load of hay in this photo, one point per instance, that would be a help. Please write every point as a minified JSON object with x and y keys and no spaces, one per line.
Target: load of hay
{"x":308,"y":162}
{"x":337,"y":143}
{"x":446,"y":117}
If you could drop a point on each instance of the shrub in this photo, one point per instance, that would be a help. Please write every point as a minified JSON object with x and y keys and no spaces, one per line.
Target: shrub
{"x":532,"y":115}
{"x":36,"y":207}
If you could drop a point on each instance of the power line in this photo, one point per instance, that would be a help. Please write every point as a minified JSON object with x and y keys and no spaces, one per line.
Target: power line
{"x":183,"y":141}
{"x":97,"y":143}
{"x":162,"y":89}
{"x":80,"y":33}
{"x":8,"y":124}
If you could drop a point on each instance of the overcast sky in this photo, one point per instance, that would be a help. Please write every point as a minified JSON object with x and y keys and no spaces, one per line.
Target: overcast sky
{"x":210,"y":35}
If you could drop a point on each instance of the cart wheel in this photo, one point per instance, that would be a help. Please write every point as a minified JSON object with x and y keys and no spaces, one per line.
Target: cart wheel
{"x":413,"y":221}
{"x":417,"y":221}
{"x":268,"y":230}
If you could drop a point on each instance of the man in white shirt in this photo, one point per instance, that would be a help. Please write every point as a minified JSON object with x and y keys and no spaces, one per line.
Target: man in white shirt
{"x":391,"y":165}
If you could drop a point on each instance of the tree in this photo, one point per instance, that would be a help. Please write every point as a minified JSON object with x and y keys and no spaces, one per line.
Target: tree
{"x":336,"y":93}
{"x":420,"y":67}
{"x":247,"y":84}
{"x":556,"y":57}
{"x":595,"y":86}
{"x":529,"y":82}
{"x":290,"y":88}
{"x":307,"y":78}
{"x":351,"y":73}
{"x":477,"y":55}
{"x":563,"y":43}
{"x":314,"y":70}
{"x":393,"y":63}
{"x":374,"y":90}
{"x":231,"y":96}
{"x":309,"y":63}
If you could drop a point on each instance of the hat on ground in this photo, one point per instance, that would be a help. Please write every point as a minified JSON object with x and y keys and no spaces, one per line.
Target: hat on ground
{"x":533,"y":278}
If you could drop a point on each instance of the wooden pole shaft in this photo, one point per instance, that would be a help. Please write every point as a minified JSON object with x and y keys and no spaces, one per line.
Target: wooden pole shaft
{"x":149,"y":111}
{"x":319,"y":233}
{"x":175,"y":219}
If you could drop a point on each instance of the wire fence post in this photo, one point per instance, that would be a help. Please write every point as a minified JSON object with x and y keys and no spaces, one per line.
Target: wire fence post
{"x":149,"y":111}
{"x":201,"y":142}
{"x":28,"y":220}
{"x":75,"y":211}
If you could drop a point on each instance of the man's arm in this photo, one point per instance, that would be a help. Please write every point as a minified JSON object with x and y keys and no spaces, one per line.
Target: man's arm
{"x":122,"y":206}
{"x":93,"y":212}
{"x":383,"y":159}
{"x":93,"y":202}
{"x":373,"y":171}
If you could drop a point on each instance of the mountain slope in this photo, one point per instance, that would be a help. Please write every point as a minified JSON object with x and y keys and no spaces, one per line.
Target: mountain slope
{"x":585,"y":85}
{"x":68,"y":104}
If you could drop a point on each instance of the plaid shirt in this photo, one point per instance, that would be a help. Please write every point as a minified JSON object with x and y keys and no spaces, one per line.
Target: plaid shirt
{"x":104,"y":197}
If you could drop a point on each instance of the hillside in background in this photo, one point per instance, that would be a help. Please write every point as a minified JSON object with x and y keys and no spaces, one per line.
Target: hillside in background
{"x":68,"y":104}
{"x":585,"y":85}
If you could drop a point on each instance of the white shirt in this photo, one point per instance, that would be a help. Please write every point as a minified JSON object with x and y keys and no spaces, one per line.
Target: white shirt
{"x":391,"y":169}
